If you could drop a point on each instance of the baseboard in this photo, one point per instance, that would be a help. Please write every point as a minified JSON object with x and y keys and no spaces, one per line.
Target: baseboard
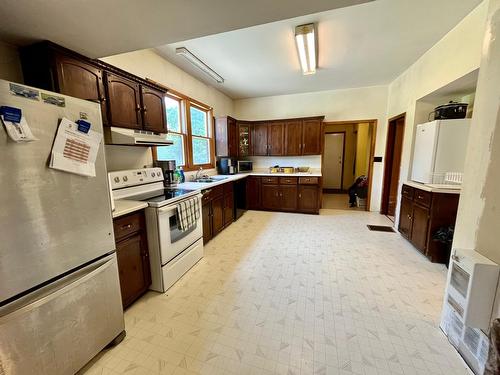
{"x":334,"y":191}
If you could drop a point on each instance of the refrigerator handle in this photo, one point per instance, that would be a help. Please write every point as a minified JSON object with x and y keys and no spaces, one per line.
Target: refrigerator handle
{"x":55,"y":289}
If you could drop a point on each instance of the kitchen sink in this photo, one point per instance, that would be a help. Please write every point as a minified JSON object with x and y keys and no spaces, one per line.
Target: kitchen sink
{"x":206,"y":180}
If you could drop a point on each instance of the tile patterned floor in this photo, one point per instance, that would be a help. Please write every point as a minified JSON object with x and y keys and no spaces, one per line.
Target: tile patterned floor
{"x":293,"y":294}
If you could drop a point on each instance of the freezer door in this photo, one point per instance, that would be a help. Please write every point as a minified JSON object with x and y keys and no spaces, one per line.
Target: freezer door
{"x":451,"y":146}
{"x":50,"y":221}
{"x":61,"y":327}
{"x":424,"y":152}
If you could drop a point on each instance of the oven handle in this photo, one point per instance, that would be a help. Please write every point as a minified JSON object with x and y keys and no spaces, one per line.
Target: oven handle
{"x":166,"y":209}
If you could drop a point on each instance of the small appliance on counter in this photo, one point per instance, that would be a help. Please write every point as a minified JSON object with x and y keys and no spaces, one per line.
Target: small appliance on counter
{"x":226,"y":166}
{"x":168,"y":169}
{"x":245,"y":166}
{"x":452,"y":110}
{"x":278,"y":169}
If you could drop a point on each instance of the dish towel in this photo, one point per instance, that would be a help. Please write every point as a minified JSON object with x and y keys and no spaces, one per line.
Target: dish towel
{"x":188,"y":212}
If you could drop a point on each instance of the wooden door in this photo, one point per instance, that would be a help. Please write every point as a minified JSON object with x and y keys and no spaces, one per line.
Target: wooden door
{"x":217,"y":215}
{"x":259,"y":139}
{"x":270,"y":197}
{"x":420,"y":226}
{"x":393,"y":150}
{"x":311,"y":137}
{"x":333,"y":160}
{"x":253,"y":193}
{"x":308,"y":198}
{"x":81,"y":80}
{"x":405,"y":217}
{"x":275,"y":136}
{"x":206,"y":213}
{"x":288,"y":197}
{"x":133,"y":266}
{"x":293,"y":138}
{"x":153,"y":110}
{"x":124,"y":104}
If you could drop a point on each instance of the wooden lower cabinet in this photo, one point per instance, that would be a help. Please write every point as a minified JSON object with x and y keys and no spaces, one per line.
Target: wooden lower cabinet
{"x":288,"y":197}
{"x":133,"y":256}
{"x":308,"y":198}
{"x":285,"y":194}
{"x":422,"y":214}
{"x":217,"y":210}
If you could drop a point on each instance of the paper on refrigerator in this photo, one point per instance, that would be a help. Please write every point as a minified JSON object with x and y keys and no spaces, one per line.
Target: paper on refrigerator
{"x":75,"y":151}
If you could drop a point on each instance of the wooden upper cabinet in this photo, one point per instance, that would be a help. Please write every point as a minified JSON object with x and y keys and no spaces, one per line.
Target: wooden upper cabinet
{"x":259,"y":139}
{"x":293,"y":138}
{"x":244,"y":140}
{"x":124,"y":102}
{"x":81,"y":80}
{"x":311,"y":137}
{"x":153,"y":110}
{"x":226,"y":137}
{"x":275,"y":135}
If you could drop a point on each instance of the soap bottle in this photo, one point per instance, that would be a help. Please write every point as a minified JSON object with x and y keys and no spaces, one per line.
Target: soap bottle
{"x":177,"y":176}
{"x":182,"y":176}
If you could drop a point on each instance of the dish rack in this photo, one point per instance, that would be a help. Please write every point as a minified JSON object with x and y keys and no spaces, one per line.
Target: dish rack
{"x":448,"y":178}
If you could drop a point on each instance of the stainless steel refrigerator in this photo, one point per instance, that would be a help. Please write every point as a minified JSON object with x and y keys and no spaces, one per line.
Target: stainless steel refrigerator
{"x":60,"y":301}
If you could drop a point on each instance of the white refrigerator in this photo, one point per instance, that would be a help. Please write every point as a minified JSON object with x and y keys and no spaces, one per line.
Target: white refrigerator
{"x":440,"y":147}
{"x":60,"y":301}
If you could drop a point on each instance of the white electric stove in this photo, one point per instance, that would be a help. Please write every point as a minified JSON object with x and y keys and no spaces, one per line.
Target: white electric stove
{"x":172,"y":251}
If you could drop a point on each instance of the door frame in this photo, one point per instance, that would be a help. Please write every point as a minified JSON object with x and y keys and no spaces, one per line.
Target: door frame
{"x":373,"y":128}
{"x":341,"y":190}
{"x":389,"y":147}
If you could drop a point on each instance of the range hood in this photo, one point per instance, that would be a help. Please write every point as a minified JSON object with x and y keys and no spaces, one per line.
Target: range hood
{"x":132,"y":137}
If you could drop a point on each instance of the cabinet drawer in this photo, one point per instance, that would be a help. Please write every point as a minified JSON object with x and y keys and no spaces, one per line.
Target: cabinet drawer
{"x":407,"y":191}
{"x":212,"y":193}
{"x":125,"y":225}
{"x":270,"y":180}
{"x":422,"y":197}
{"x":308,"y":180}
{"x":288,"y":180}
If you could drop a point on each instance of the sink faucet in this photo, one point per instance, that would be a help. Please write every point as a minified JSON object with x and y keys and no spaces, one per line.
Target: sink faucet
{"x":198,"y":172}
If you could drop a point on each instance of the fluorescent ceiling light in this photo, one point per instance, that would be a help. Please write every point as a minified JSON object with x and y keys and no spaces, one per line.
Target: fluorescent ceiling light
{"x":305,"y":38}
{"x":183,"y":51}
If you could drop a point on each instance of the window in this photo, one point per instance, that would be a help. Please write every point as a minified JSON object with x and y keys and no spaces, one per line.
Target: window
{"x":173,"y":107}
{"x":190,"y":128}
{"x":200,"y":135}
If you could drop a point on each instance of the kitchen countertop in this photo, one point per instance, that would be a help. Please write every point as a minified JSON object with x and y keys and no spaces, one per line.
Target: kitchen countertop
{"x":435,"y":188}
{"x":125,"y":206}
{"x":207,"y":185}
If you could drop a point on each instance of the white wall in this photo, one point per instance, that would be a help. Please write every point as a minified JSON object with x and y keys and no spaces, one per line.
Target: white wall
{"x":455,"y":55}
{"x":336,"y":105}
{"x":10,"y":64}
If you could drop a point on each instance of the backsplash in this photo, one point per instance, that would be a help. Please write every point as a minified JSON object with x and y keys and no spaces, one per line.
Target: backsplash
{"x":261,"y":162}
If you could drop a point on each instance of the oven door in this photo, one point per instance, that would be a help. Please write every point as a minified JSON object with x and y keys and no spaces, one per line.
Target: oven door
{"x":174,"y":241}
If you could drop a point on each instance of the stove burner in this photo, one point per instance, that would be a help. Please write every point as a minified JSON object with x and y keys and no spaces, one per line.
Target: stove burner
{"x":158,"y":196}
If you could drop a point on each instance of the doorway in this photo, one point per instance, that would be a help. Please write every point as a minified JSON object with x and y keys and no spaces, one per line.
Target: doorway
{"x":393,"y":150}
{"x":334,"y":154}
{"x":348,"y":154}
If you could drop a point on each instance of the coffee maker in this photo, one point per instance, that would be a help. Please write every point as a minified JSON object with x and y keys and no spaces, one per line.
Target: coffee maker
{"x":168,"y":168}
{"x":226,"y":166}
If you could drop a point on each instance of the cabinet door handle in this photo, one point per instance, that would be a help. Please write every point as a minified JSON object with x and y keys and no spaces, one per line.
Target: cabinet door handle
{"x":145,"y":109}
{"x":300,"y":195}
{"x":125,"y":227}
{"x":276,"y":194}
{"x":102,"y":99}
{"x":420,"y":196}
{"x":138,"y":108}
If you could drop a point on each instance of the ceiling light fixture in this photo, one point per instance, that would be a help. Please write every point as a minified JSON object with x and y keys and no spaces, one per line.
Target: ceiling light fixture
{"x":305,"y":39}
{"x":184,"y":52}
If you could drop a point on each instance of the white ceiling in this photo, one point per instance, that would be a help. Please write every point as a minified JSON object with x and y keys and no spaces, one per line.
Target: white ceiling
{"x":362,"y":45}
{"x":98,"y":28}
